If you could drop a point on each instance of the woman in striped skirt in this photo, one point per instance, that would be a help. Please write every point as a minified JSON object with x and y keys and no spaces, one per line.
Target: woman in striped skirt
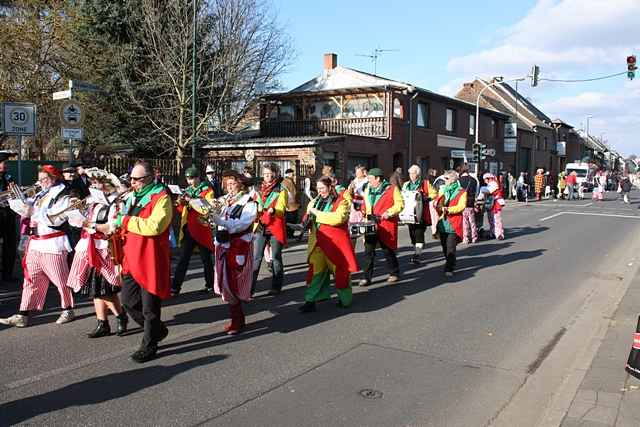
{"x":234,"y":247}
{"x":93,"y":270}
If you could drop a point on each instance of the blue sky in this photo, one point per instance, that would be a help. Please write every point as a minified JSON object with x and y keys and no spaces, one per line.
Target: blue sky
{"x":442,"y":44}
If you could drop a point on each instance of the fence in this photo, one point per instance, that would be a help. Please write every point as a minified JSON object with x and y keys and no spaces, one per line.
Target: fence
{"x":167,"y":168}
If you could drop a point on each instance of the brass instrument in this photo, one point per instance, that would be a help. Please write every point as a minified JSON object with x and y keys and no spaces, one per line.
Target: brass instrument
{"x":19,"y":193}
{"x":439,"y":205}
{"x":212,"y":209}
{"x":116,"y":247}
{"x":75,"y":204}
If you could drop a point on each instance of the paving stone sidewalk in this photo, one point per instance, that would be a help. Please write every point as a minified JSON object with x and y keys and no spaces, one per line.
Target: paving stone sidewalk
{"x":608,"y":396}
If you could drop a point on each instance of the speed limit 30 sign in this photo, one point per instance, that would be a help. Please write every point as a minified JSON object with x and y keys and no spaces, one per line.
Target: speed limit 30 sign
{"x":19,"y":118}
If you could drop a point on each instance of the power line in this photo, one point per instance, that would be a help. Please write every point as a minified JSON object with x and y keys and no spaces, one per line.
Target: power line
{"x":585,"y":80}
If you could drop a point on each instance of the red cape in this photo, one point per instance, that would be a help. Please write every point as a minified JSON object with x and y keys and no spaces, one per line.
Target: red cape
{"x":148,"y":258}
{"x":276,"y":225}
{"x":387,"y":228}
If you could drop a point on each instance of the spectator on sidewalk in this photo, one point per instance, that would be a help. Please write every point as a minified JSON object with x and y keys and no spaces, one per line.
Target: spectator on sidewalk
{"x":538,"y":184}
{"x":572,"y":180}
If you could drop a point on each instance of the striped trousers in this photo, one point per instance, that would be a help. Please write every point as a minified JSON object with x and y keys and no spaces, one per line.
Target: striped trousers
{"x":44,"y":268}
{"x":80,"y":270}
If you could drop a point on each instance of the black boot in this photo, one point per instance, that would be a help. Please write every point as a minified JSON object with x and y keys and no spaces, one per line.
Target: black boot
{"x":122,"y":320}
{"x":102,"y":330}
{"x":307,"y":307}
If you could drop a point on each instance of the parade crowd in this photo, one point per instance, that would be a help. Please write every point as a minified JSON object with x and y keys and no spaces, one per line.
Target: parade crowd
{"x":90,"y":232}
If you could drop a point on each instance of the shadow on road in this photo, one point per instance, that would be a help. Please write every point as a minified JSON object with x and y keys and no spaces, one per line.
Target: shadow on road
{"x":97,"y":390}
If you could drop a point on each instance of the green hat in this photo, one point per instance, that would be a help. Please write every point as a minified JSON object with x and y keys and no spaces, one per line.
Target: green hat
{"x":376,"y":172}
{"x":191,"y":172}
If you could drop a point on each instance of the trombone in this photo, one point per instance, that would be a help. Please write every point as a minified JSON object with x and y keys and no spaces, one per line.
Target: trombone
{"x":75,"y":204}
{"x":20,"y":193}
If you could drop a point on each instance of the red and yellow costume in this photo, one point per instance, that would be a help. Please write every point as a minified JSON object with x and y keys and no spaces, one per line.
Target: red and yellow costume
{"x":145,"y":225}
{"x":390,"y":202}
{"x":274,"y":196}
{"x":330,"y":250}
{"x":195,"y":221}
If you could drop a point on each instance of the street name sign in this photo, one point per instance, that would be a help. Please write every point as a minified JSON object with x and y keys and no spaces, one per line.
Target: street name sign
{"x":461,"y":154}
{"x":80,"y":86}
{"x":71,"y":114}
{"x":63,"y":94}
{"x":489,"y":152}
{"x":19,"y":118}
{"x":72,"y":133}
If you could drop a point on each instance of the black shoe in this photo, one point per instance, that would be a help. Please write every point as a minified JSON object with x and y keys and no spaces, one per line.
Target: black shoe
{"x":339,"y":304}
{"x":364,"y":282}
{"x":145,"y":355}
{"x":102,"y":330}
{"x":274,"y":292}
{"x":175,"y":293}
{"x":122,"y":321}
{"x":164,"y":331}
{"x":414,"y":259}
{"x":207,"y":290}
{"x":307,"y":307}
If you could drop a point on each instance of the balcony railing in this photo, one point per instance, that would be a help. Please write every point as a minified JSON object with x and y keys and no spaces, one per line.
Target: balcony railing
{"x":375,"y":127}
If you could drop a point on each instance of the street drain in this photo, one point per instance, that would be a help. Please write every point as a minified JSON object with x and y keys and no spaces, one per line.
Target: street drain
{"x":369,"y":393}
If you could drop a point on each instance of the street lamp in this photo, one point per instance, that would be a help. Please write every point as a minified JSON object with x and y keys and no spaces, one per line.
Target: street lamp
{"x":193,"y":87}
{"x":588,"y":117}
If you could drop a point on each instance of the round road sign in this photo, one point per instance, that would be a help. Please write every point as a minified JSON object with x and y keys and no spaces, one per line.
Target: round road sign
{"x":71,"y":114}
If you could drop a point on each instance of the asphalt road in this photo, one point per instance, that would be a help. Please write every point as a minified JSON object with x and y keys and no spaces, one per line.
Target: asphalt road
{"x":425,"y":351}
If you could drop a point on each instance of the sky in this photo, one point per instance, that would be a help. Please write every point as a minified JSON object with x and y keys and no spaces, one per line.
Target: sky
{"x":439,"y":45}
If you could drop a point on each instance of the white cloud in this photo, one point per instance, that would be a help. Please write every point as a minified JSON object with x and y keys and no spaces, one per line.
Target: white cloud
{"x":560,"y":33}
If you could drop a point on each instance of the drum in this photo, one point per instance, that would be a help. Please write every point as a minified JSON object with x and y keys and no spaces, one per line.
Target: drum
{"x":413,"y":205}
{"x":365,"y":228}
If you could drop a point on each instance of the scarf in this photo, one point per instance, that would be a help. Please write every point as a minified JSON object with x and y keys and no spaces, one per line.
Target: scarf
{"x":450,"y":191}
{"x":376,"y":193}
{"x":414,"y":186}
{"x":266,"y":189}
{"x":194,"y":192}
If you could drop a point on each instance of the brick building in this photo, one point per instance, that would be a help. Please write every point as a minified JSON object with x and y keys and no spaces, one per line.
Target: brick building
{"x":346,"y":117}
{"x":536,"y":135}
{"x":569,"y":145}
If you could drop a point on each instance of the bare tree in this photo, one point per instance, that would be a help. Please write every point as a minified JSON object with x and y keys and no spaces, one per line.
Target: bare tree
{"x":241,"y":52}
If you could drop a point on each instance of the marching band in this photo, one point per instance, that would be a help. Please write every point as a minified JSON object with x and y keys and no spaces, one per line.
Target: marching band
{"x":123,"y":257}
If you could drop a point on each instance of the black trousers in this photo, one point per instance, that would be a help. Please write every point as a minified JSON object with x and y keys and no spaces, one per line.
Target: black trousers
{"x":188,"y":245}
{"x":291,"y":217}
{"x":370,"y":243}
{"x":449,"y":241}
{"x":9,"y":242}
{"x":144,"y":308}
{"x":416,"y":232}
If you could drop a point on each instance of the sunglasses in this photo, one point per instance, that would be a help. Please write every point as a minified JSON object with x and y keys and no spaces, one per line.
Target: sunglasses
{"x":138,"y":178}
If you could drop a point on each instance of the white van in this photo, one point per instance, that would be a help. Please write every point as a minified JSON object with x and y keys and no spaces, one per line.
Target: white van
{"x":583,"y":174}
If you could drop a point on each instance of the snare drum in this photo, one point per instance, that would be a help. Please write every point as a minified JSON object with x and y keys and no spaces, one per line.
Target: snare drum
{"x":412,"y":211}
{"x":365,"y":228}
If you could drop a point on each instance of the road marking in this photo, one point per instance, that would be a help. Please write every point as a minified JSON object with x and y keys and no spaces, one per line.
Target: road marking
{"x":590,"y":214}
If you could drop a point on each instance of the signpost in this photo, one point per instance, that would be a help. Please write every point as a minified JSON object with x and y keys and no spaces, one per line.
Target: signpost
{"x":20,"y":119}
{"x":491,"y":152}
{"x":72,"y":117}
{"x":63,"y":94}
{"x":72,"y":133}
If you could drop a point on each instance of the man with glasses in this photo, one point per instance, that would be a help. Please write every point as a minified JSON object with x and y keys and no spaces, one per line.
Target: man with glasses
{"x":194,"y":231}
{"x":46,"y":251}
{"x":145,"y":222}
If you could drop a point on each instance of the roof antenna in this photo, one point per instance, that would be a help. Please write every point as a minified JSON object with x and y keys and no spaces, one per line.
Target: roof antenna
{"x":374,"y":55}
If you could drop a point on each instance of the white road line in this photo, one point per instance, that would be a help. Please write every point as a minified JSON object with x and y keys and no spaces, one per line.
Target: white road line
{"x":552,"y":216}
{"x":590,"y":214}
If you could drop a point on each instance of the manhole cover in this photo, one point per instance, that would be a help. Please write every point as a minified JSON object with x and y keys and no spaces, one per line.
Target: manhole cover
{"x":369,"y":393}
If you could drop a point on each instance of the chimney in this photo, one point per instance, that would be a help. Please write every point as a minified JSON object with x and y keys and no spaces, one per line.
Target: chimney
{"x":330,"y":61}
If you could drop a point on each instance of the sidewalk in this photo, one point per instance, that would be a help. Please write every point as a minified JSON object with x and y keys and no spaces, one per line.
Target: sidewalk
{"x":608,"y":396}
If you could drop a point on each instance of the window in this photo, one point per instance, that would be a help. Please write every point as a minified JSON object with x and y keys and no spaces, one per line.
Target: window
{"x":537,"y":147}
{"x":545,"y":146}
{"x":423,"y":115}
{"x":450,"y":124}
{"x":494,"y":129}
{"x":398,"y":112}
{"x":472,"y":124}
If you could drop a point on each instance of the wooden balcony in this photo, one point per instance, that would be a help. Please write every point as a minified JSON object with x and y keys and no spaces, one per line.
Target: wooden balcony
{"x":375,"y":127}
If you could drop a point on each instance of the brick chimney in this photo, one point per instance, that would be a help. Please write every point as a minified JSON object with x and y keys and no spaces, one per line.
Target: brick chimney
{"x":330,"y":61}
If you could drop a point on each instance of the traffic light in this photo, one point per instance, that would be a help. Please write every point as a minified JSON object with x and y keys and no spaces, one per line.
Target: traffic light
{"x":478,"y":149}
{"x":631,"y":67}
{"x":535,"y":75}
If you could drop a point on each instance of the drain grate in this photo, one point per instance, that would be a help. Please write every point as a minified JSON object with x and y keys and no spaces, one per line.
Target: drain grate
{"x":369,"y":393}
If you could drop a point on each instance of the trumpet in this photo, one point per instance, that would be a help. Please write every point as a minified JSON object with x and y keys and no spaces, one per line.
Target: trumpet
{"x":75,"y":204}
{"x":19,"y":193}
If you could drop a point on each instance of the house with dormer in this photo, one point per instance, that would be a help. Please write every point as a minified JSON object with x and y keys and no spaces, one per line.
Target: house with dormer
{"x":345,"y":117}
{"x":536,"y":145}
